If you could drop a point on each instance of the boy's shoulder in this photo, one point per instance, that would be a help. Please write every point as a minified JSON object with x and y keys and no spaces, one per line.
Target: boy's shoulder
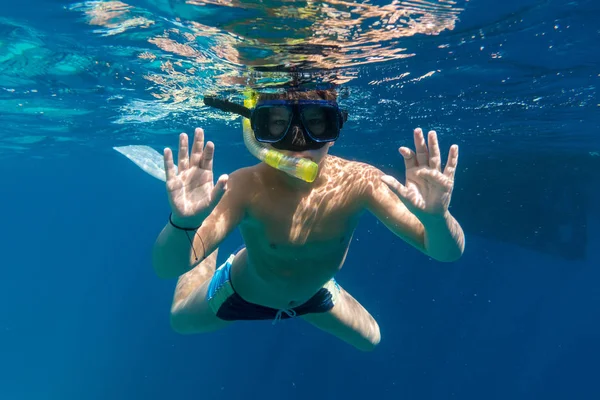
{"x":245,"y":175}
{"x":338,"y":165}
{"x":357,"y":180}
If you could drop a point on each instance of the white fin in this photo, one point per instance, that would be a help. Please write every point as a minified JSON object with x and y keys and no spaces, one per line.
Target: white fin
{"x":146,"y":158}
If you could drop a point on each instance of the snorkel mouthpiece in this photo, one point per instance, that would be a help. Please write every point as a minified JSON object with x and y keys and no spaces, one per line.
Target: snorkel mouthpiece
{"x":301,"y":168}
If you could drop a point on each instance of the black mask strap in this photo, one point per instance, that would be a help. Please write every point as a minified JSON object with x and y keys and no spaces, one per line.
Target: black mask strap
{"x":227,"y":106}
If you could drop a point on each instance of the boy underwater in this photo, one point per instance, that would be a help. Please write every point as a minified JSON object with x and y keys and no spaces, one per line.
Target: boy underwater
{"x":296,"y":232}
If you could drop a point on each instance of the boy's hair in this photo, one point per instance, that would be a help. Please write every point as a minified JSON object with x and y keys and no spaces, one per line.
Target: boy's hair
{"x":327,"y":94}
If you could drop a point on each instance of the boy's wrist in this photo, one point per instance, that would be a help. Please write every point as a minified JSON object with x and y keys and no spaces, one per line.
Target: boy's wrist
{"x":185,"y":223}
{"x":434,"y":219}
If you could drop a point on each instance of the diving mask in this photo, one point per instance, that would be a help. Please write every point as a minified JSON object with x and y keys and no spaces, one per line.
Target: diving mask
{"x":297,"y":125}
{"x":294,"y":125}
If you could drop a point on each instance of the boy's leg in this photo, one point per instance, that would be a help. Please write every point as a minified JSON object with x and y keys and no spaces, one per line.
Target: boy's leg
{"x":190,"y":312}
{"x":349,"y":321}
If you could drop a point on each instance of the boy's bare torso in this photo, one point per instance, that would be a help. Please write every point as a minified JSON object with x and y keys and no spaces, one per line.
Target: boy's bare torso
{"x":296,"y":238}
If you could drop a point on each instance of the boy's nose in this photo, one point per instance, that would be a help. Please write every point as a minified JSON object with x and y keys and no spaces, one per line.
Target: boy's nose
{"x":298,"y":136}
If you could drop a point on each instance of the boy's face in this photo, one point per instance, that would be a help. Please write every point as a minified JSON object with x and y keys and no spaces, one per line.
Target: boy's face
{"x":296,"y":142}
{"x":314,"y":118}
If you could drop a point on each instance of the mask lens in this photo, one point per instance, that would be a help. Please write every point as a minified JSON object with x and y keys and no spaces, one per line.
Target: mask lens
{"x":321,"y":122}
{"x":270,"y":123}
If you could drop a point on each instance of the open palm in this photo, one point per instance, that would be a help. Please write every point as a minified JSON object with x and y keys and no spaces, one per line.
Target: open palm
{"x":427,"y":190}
{"x":190,"y":188}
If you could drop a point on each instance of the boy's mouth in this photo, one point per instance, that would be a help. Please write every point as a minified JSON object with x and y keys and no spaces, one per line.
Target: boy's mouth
{"x":302,"y":155}
{"x":299,"y":154}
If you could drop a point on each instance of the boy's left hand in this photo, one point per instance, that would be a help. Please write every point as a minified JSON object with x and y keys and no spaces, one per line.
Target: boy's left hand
{"x":427,"y":191}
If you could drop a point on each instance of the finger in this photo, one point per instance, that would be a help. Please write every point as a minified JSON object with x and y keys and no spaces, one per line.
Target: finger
{"x":452,"y":162}
{"x":197,"y":147}
{"x":183,"y":157}
{"x":410,"y":159}
{"x":207,"y":156}
{"x":435,"y":178}
{"x":222,"y":182}
{"x":219,"y":190}
{"x":170,"y":171}
{"x":395,"y":186}
{"x":435,"y":160}
{"x":421,"y":148}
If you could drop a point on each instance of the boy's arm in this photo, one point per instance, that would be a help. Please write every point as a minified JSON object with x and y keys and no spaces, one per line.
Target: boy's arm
{"x":440,"y":237}
{"x":177,"y":251}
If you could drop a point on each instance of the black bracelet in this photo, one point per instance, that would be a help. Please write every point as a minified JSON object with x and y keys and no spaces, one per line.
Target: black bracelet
{"x":186,"y":230}
{"x":180,"y":227}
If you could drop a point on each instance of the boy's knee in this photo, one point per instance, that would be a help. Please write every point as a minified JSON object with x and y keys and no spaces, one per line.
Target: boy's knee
{"x":369,"y":343}
{"x":375,"y":338}
{"x":185,"y":323}
{"x":182,"y":322}
{"x":178,"y":323}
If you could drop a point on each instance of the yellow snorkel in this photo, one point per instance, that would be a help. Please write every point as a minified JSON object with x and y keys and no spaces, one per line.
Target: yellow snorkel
{"x":300,"y":168}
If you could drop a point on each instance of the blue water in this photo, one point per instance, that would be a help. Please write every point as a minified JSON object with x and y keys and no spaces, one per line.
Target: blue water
{"x":513,"y":83}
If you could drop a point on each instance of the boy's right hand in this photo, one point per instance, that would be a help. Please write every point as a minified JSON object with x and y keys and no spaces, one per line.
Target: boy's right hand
{"x":192,"y":194}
